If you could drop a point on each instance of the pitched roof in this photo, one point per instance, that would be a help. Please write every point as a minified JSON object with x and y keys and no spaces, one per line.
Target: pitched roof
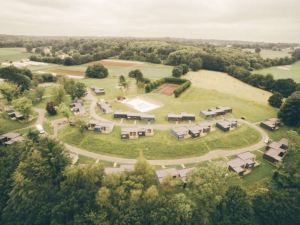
{"x":246,"y":155}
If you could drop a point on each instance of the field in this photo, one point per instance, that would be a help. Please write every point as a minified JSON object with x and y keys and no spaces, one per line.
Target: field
{"x":13,"y":54}
{"x":271,"y":54}
{"x":10,"y":125}
{"x":290,"y":71}
{"x":162,"y":145}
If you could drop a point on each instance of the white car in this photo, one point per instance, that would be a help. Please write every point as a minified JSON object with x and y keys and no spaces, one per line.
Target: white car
{"x":40,"y":128}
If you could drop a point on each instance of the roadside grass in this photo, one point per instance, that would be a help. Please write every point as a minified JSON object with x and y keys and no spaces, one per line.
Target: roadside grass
{"x":85,"y":160}
{"x":161,"y":146}
{"x":13,"y":54}
{"x":283,"y":72}
{"x":278,"y":134}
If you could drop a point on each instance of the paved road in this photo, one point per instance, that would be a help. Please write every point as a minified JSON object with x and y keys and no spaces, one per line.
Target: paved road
{"x":210,"y":155}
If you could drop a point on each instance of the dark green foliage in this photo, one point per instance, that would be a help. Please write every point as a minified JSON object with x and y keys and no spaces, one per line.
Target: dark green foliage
{"x":285,"y":86}
{"x":96,"y":71}
{"x":21,"y":77}
{"x":177,"y":71}
{"x":46,"y":77}
{"x":290,"y":110}
{"x":275,"y":100}
{"x":182,"y":88}
{"x":277,"y":207}
{"x":234,"y":209}
{"x":51,"y":108}
{"x":196,"y":64}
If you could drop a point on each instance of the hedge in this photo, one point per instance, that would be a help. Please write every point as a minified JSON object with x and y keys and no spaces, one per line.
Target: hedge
{"x":184,"y":84}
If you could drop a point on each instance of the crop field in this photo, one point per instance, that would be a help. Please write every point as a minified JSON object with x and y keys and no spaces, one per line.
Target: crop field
{"x":162,"y":145}
{"x":282,"y":72}
{"x":13,"y":54}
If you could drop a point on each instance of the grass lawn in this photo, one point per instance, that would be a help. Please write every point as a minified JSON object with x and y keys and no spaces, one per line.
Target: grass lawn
{"x":161,"y":146}
{"x":7,"y":125}
{"x":279,"y":72}
{"x":13,"y":54}
{"x":260,"y":175}
{"x":271,"y":54}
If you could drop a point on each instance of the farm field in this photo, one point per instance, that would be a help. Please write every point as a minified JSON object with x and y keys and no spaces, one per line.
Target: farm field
{"x":13,"y":54}
{"x":162,"y":145}
{"x":279,"y":72}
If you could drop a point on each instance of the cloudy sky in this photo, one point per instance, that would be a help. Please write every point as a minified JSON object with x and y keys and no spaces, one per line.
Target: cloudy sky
{"x":254,"y":20}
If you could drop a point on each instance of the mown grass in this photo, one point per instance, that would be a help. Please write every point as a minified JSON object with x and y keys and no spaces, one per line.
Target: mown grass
{"x":162,"y":145}
{"x":7,"y":125}
{"x":13,"y":54}
{"x":291,"y":71}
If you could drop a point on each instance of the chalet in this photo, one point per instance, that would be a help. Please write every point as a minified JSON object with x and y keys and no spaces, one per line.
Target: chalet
{"x":276,"y":151}
{"x":180,"y":132}
{"x":10,"y":138}
{"x":104,"y":106}
{"x":227,"y":125}
{"x":136,"y":132}
{"x":181,"y":117}
{"x":98,"y":90}
{"x":134,"y":116}
{"x":217,"y":111}
{"x":14,"y":115}
{"x":271,"y":124}
{"x":120,"y":114}
{"x":242,"y":163}
{"x":101,"y":127}
{"x":77,"y":107}
{"x":199,"y":130}
{"x":174,"y":173}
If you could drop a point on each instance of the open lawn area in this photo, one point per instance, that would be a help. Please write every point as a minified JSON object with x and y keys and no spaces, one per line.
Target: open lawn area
{"x":289,"y":71}
{"x":13,"y":54}
{"x":271,"y":54}
{"x":161,"y":146}
{"x":7,"y":125}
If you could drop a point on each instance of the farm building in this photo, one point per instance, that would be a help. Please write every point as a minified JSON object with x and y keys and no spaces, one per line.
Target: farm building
{"x":181,"y":117}
{"x":271,"y":124}
{"x":227,"y":125}
{"x":10,"y":138}
{"x":242,"y":163}
{"x":98,"y":90}
{"x":134,"y":116}
{"x":276,"y":151}
{"x":218,"y":111}
{"x":174,"y":173}
{"x":101,"y":127}
{"x":104,"y":106}
{"x":136,"y":132}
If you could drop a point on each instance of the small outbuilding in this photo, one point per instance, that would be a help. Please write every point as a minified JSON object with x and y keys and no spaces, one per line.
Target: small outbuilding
{"x":10,"y":138}
{"x":276,"y":151}
{"x":271,"y":124}
{"x":180,"y":132}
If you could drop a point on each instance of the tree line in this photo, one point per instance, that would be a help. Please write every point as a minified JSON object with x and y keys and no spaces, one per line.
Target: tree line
{"x":38,"y":185}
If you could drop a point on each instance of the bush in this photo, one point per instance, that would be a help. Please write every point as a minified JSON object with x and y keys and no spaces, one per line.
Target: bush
{"x":50,"y":107}
{"x":275,"y":100}
{"x":177,"y":71}
{"x":96,"y":71}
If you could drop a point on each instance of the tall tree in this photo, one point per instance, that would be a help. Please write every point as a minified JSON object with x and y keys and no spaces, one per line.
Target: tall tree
{"x":290,"y":111}
{"x":23,"y":105}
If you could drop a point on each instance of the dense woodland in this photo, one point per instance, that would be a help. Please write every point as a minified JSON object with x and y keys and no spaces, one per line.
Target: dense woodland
{"x":38,"y":185}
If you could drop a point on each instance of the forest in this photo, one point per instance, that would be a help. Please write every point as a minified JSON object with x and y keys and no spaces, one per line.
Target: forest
{"x":39,"y":185}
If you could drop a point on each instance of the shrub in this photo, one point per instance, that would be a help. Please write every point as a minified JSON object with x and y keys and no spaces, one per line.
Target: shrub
{"x":96,"y":71}
{"x":50,"y":107}
{"x":275,"y":100}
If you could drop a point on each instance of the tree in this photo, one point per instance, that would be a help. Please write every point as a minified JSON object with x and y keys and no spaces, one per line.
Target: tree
{"x":28,"y":47}
{"x":137,"y":74}
{"x":185,"y":68}
{"x":58,"y":94}
{"x":257,"y":50}
{"x":23,"y":105}
{"x":77,"y":90}
{"x":234,"y":209}
{"x":9,"y":91}
{"x":51,"y":108}
{"x":96,"y":71}
{"x":285,"y":86}
{"x":63,"y":109}
{"x":275,"y":100}
{"x":290,"y":111}
{"x":21,"y":77}
{"x":177,"y":71}
{"x":196,"y":64}
{"x":122,"y":81}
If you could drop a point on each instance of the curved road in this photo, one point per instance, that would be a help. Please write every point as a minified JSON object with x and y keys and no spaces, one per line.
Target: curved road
{"x":210,"y":155}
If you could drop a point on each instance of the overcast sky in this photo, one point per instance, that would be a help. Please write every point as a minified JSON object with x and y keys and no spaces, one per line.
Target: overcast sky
{"x":254,"y":20}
